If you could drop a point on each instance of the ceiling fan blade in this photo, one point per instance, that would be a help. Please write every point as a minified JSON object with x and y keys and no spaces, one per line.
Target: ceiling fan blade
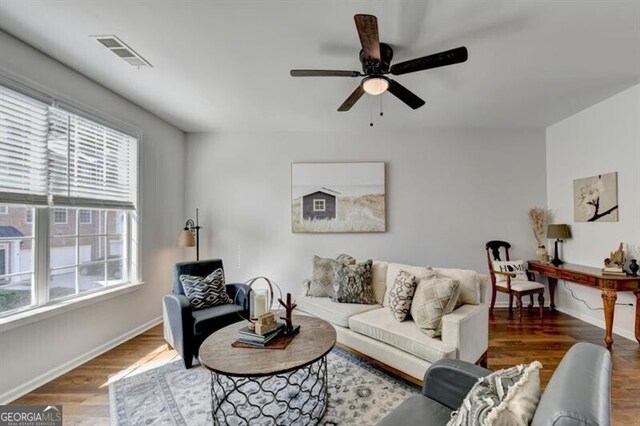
{"x":323,"y":73}
{"x":404,"y":94}
{"x":367,"y":26}
{"x":352,"y":99}
{"x":450,"y":57}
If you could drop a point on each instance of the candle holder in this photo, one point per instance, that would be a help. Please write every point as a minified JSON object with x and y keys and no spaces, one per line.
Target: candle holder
{"x":260,"y":299}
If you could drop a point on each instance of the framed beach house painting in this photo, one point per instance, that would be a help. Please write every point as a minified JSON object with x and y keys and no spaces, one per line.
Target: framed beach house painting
{"x":338,"y":197}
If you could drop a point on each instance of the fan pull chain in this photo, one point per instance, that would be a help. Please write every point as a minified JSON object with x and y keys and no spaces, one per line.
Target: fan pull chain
{"x":371,"y":113}
{"x":381,"y":113}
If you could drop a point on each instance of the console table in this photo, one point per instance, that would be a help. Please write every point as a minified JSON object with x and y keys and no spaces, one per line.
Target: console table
{"x":592,"y":277}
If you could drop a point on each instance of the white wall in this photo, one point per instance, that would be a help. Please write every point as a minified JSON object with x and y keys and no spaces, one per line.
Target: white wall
{"x":38,"y":348}
{"x":603,"y":138}
{"x":448,"y":192}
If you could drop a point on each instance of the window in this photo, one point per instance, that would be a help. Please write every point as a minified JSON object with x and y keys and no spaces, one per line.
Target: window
{"x":68,"y":188}
{"x":84,"y":216}
{"x":60,"y":216}
{"x":319,"y":205}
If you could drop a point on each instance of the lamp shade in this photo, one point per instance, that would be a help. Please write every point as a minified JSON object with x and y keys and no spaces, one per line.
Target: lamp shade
{"x":186,"y":238}
{"x":560,"y":232}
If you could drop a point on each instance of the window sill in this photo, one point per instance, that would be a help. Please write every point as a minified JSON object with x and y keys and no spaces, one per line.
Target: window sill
{"x":55,"y":308}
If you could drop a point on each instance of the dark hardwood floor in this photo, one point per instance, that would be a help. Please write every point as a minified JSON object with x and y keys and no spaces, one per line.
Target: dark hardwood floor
{"x":84,"y":392}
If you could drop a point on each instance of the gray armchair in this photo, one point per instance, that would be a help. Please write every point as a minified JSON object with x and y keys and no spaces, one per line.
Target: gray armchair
{"x":578,"y":394}
{"x":186,"y":329}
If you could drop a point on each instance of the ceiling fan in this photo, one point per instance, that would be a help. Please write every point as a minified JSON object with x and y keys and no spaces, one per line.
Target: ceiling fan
{"x":376,"y":64}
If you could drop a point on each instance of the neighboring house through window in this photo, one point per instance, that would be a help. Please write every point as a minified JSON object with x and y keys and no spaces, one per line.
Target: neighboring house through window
{"x":84,"y":216}
{"x":4,"y":209}
{"x":60,"y":216}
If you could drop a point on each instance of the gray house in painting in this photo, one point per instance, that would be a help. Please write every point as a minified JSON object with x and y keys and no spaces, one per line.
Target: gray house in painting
{"x":319,"y":205}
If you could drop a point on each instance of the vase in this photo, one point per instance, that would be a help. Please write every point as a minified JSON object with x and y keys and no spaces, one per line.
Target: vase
{"x":542,"y":255}
{"x":633,"y":267}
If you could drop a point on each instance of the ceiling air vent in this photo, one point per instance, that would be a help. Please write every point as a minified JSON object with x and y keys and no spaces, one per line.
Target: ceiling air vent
{"x":123,"y":51}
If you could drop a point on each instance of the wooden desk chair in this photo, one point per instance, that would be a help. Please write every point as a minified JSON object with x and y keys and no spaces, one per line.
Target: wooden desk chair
{"x":513,"y":278}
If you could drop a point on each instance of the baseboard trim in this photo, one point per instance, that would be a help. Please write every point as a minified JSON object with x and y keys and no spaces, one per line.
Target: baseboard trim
{"x":54,"y":373}
{"x":627,"y":334}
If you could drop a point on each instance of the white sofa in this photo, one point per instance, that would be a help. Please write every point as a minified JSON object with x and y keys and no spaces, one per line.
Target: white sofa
{"x":373,"y":331}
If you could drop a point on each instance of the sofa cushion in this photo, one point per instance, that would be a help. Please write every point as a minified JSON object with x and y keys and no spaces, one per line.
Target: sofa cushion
{"x":334,"y":312}
{"x":417,"y":410}
{"x":379,"y":279}
{"x":322,"y":275}
{"x":393,"y":269}
{"x":208,"y":319}
{"x":206,"y":292}
{"x":504,"y":397}
{"x":469,"y":284}
{"x":401,"y":295}
{"x":380,"y":324}
{"x":352,"y":284}
{"x":433,"y":299}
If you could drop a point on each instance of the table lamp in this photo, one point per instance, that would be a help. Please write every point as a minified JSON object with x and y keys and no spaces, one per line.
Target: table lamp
{"x":190,"y":235}
{"x":560,"y":232}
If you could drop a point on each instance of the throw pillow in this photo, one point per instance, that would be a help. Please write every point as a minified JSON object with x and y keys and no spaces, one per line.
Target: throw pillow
{"x":322,"y":276}
{"x":394,"y":268}
{"x":401,"y":295}
{"x":469,"y":284}
{"x":514,"y":266}
{"x":206,"y":292}
{"x":433,"y":299}
{"x":352,"y":284}
{"x":503,"y":398}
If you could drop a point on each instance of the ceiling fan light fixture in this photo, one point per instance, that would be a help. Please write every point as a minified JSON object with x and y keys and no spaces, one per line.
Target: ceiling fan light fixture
{"x":375,"y":85}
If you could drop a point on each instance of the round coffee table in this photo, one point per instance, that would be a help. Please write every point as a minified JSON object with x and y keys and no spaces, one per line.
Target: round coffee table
{"x":269,"y":386}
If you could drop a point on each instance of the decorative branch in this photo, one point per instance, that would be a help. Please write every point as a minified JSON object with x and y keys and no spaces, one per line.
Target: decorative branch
{"x":538,"y":220}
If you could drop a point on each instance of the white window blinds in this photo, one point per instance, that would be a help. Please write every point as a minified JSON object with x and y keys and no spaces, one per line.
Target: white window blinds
{"x":90,"y":165}
{"x":49,"y":154}
{"x":23,"y":149}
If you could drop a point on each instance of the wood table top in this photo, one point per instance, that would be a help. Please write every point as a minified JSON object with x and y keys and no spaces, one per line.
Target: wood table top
{"x":580,"y":269}
{"x":315,"y":339}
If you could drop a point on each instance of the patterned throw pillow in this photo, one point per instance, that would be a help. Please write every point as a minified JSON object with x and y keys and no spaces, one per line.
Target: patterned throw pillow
{"x":505,"y":397}
{"x":206,"y":292}
{"x":433,"y":299}
{"x":514,"y":266}
{"x":401,"y":295}
{"x":352,"y":284}
{"x":322,"y":276}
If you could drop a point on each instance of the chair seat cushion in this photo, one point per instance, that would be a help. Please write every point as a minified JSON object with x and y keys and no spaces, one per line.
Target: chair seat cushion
{"x":380,"y":325}
{"x":208,"y":319}
{"x":334,"y":312}
{"x":517,"y":285}
{"x":418,"y":410}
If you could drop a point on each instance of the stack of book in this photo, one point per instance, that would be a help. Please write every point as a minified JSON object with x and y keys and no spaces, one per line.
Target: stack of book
{"x":614,"y":270}
{"x":250,"y":337}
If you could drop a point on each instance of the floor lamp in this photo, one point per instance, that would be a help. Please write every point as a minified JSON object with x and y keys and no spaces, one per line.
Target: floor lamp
{"x":190,"y":235}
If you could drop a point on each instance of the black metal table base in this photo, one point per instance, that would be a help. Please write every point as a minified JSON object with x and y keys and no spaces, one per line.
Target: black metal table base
{"x":298,"y":397}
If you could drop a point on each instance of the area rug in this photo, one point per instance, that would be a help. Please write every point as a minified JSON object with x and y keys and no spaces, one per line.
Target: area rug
{"x":165,"y":393}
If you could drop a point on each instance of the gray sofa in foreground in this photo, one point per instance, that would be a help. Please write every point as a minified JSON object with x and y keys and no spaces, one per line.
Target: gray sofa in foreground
{"x":578,"y":394}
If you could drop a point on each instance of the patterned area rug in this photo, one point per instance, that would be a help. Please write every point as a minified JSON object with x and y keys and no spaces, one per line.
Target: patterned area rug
{"x":167,"y":394}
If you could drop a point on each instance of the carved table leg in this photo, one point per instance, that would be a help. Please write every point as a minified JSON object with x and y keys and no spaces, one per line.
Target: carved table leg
{"x":552,"y":292}
{"x":609,"y":298}
{"x":637,"y":292}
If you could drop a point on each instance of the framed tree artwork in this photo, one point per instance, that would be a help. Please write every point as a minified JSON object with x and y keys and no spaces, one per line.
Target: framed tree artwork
{"x":595,"y":198}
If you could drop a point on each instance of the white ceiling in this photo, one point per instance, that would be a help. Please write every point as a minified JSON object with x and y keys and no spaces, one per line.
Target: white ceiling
{"x":221,"y":65}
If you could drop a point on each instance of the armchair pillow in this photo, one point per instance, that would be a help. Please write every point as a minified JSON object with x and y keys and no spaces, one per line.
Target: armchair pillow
{"x":205,"y":292}
{"x":506,"y":397}
{"x":352,"y":284}
{"x":433,"y":299}
{"x":322,"y":276}
{"x":401,"y":295}
{"x":517,"y":267}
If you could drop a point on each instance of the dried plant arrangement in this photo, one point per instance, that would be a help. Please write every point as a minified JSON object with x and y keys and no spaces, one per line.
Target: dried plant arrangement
{"x":538,"y":219}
